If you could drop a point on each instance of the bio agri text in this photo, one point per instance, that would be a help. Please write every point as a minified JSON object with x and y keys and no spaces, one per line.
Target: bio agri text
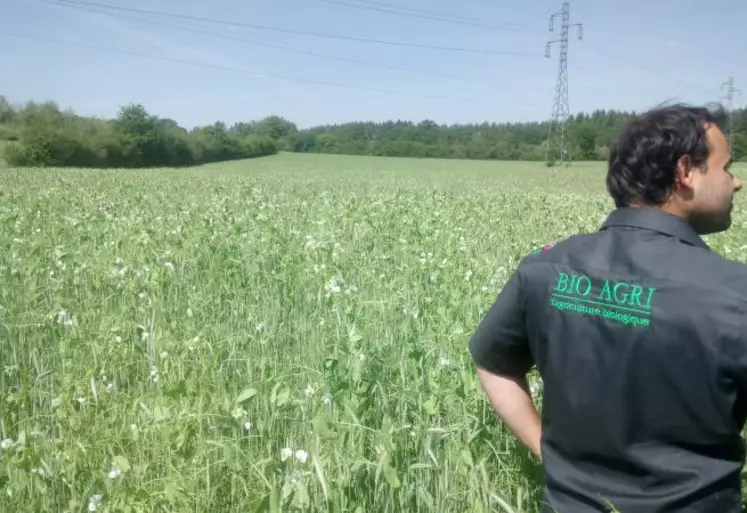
{"x":605,"y":292}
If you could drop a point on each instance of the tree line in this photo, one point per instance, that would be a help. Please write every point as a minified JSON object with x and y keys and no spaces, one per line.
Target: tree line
{"x":590,"y":138}
{"x":43,"y":135}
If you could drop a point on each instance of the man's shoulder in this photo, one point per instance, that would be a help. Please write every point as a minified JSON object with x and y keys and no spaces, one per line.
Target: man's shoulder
{"x":724,"y":273}
{"x":703,"y":268}
{"x":551,"y":250}
{"x":541,"y":249}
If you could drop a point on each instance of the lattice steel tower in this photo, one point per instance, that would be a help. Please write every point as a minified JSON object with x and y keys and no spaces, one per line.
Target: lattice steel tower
{"x":557,"y":139}
{"x":730,"y":90}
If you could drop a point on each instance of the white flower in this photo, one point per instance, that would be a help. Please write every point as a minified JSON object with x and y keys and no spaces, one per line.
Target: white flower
{"x":56,"y":402}
{"x":444,"y":361}
{"x":535,"y":386}
{"x":169,"y":266}
{"x":327,"y":399}
{"x":468,"y":275}
{"x":247,"y":426}
{"x":309,"y":391}
{"x":462,"y":243}
{"x":114,"y":473}
{"x":334,"y":286}
{"x":411,"y":311}
{"x":5,"y":444}
{"x":110,"y":388}
{"x":302,"y":456}
{"x":40,"y":472}
{"x":93,"y":502}
{"x":164,"y":355}
{"x":311,"y":242}
{"x":65,"y":319}
{"x":286,"y":453}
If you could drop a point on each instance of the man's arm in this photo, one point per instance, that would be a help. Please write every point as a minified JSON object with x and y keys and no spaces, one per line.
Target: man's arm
{"x":513,"y":402}
{"x":501,"y":352}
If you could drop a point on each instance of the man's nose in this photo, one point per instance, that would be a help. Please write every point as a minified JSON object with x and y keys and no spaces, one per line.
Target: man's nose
{"x":737,"y":183}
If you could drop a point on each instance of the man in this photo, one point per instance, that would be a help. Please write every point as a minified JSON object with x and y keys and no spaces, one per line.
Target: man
{"x":639,"y":332}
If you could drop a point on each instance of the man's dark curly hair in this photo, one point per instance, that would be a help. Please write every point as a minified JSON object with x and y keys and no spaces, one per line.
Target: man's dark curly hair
{"x":642,"y":164}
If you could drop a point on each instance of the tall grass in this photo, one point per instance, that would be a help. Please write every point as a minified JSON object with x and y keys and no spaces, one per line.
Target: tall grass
{"x":284,"y":335}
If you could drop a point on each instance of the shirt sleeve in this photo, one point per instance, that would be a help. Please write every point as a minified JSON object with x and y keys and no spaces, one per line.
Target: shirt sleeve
{"x":500,"y":344}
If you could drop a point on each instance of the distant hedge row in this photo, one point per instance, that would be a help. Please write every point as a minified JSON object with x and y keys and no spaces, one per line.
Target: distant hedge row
{"x":47,"y":136}
{"x":590,"y":138}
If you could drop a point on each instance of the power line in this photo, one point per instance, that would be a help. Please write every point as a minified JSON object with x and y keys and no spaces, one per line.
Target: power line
{"x":243,"y":71}
{"x":258,"y":43}
{"x":262,"y":43}
{"x":79,"y":4}
{"x":618,"y":82}
{"x":429,"y":16}
{"x":295,"y":32}
{"x":649,"y":70}
{"x":557,"y":145}
{"x":505,"y":26}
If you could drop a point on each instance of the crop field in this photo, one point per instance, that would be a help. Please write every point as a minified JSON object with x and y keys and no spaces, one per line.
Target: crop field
{"x":274,"y":335}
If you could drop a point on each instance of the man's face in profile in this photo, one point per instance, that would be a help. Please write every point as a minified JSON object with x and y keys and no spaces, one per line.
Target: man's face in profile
{"x":714,"y":187}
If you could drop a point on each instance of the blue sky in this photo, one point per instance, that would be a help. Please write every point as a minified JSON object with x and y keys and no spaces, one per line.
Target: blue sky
{"x":635,"y":54}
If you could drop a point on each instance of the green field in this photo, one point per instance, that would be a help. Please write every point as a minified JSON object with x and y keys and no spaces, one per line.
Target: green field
{"x":280,"y":334}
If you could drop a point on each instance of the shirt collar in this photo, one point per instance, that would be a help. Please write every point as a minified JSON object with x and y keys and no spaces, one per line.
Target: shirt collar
{"x":655,"y":220}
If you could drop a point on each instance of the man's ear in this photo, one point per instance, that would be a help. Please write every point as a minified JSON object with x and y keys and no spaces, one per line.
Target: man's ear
{"x":684,"y":173}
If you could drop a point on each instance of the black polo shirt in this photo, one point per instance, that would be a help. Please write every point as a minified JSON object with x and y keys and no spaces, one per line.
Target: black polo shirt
{"x":639,"y":332}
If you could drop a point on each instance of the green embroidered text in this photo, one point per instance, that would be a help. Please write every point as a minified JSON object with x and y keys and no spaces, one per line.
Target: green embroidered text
{"x":621,"y":301}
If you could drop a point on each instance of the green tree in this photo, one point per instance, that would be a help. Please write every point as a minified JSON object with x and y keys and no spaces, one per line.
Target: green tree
{"x":586,"y":139}
{"x":135,"y":138}
{"x":739,"y":146}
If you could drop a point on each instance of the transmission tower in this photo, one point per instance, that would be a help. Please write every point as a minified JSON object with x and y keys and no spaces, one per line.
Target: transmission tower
{"x":557,"y":140}
{"x":730,"y":90}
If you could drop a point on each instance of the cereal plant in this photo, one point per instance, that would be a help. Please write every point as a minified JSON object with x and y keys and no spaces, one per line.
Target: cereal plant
{"x":285,"y":334}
